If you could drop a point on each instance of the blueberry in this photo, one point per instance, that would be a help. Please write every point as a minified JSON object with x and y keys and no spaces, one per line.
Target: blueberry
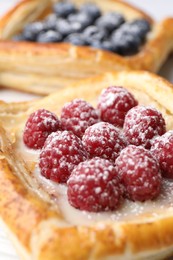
{"x":127,"y":29}
{"x":31,"y":31}
{"x":110,"y":21}
{"x":108,"y":45}
{"x":142,"y":24}
{"x":65,"y":27}
{"x":18,"y":38}
{"x":125,"y":43}
{"x":76,"y":39}
{"x":105,"y":45}
{"x":91,"y":10}
{"x":49,"y":36}
{"x":82,"y":18}
{"x":137,"y":28}
{"x":93,"y":33}
{"x":96,"y":44}
{"x":50,"y":22}
{"x":63,"y":9}
{"x":141,"y":27}
{"x":76,"y":27}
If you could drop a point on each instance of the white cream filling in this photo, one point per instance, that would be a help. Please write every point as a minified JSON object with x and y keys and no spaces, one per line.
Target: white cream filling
{"x":128,"y":211}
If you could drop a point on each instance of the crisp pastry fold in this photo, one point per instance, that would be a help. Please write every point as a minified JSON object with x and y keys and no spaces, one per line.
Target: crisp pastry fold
{"x":44,"y":68}
{"x":34,"y":219}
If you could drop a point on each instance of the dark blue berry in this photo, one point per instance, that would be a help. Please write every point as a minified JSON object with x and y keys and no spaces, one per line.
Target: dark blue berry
{"x":125,"y":43}
{"x":65,"y":27}
{"x":94,"y":34}
{"x":63,"y":9}
{"x":108,"y":45}
{"x":96,"y":44}
{"x":82,"y":18}
{"x":91,"y":10}
{"x":110,"y":21}
{"x":141,"y":27}
{"x":76,"y":39}
{"x":49,"y":36}
{"x":31,"y":31}
{"x":105,"y":45}
{"x":18,"y":38}
{"x":50,"y":22}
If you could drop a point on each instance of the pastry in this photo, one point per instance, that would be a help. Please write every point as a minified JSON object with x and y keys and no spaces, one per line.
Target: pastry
{"x":43,"y":67}
{"x":32,"y":208}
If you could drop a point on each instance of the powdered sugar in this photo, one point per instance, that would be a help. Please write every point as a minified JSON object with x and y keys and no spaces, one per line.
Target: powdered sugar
{"x":61,"y":152}
{"x":102,"y":189}
{"x":103,"y":140}
{"x":162,"y":149}
{"x":39,"y":125}
{"x":128,"y":211}
{"x":77,"y":115}
{"x":142,"y":124}
{"x":139,"y":173}
{"x":113,"y":104}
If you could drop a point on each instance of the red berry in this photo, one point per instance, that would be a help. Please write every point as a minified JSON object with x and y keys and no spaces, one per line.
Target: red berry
{"x":62,"y":151}
{"x":139,"y":173}
{"x":113,"y":104}
{"x":94,"y":186}
{"x":142,"y":124}
{"x":103,"y":140}
{"x":77,"y":116}
{"x":162,"y":150}
{"x":39,"y":125}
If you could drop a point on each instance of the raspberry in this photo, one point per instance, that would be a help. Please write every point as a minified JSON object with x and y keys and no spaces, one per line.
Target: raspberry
{"x":77,"y":116}
{"x":162,"y":150}
{"x":142,"y":124}
{"x":39,"y":125}
{"x":139,"y":173}
{"x":103,"y":140}
{"x":113,"y":104}
{"x":94,"y":186}
{"x":62,"y":151}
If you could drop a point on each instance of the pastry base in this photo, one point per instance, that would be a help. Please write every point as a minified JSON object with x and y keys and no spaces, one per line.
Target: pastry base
{"x":44,"y":68}
{"x":36,"y":225}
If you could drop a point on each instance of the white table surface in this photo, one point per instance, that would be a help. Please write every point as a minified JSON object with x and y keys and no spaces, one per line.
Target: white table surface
{"x":158,"y":9}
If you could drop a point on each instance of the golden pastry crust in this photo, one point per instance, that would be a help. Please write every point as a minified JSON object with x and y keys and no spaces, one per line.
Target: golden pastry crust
{"x":42,"y":68}
{"x":37,"y":225}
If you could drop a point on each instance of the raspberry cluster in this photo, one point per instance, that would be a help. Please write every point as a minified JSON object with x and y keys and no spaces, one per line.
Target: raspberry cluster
{"x":119,"y":149}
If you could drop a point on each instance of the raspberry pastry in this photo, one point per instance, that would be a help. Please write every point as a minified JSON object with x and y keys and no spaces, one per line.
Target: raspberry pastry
{"x":46,"y":45}
{"x":75,"y":185}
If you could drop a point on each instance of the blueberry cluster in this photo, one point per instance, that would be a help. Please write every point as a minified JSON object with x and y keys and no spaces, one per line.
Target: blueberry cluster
{"x":88,"y":26}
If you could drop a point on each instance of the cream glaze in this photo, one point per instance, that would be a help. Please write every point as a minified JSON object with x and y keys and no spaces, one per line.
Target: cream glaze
{"x":129,"y":211}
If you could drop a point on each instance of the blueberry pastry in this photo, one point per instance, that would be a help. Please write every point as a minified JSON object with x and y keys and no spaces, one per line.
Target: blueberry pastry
{"x":46,"y":44}
{"x":86,"y":172}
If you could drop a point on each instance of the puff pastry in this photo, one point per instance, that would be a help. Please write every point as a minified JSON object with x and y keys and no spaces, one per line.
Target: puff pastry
{"x":43,"y":68}
{"x":34,"y":220}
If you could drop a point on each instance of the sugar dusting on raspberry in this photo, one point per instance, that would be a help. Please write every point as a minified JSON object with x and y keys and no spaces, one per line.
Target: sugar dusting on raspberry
{"x":39,"y":125}
{"x":77,"y":116}
{"x":139,"y":173}
{"x":162,"y":150}
{"x":114,"y":103}
{"x":103,"y":140}
{"x":62,"y":151}
{"x":142,"y":124}
{"x":94,"y":186}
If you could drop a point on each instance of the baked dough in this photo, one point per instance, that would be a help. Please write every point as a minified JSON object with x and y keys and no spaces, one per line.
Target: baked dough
{"x":43,"y":68}
{"x":33,"y":219}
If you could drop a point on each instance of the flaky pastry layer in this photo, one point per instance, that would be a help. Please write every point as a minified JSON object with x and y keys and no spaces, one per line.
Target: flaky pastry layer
{"x":36,"y":224}
{"x":44,"y":68}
